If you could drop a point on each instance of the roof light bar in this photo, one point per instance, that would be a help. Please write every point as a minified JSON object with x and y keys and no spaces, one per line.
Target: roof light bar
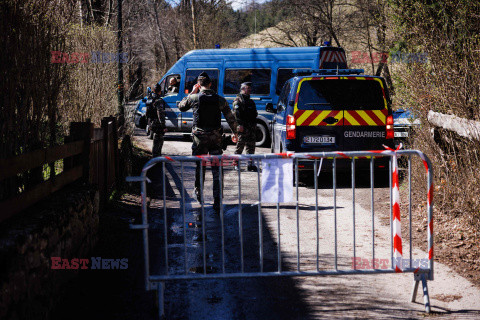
{"x":327,"y":71}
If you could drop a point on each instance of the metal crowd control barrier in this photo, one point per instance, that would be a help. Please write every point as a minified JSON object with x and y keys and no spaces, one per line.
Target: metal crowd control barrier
{"x":421,"y":274}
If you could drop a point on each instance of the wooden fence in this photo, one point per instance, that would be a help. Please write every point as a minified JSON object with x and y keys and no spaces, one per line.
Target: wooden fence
{"x":463,"y":127}
{"x":89,"y":153}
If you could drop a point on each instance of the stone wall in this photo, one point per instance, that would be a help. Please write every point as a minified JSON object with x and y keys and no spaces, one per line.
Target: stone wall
{"x":64,"y":225}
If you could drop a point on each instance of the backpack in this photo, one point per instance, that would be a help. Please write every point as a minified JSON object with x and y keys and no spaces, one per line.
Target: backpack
{"x":151,"y":112}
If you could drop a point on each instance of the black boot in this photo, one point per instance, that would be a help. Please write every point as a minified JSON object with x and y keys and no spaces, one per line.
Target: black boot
{"x":252,"y":168}
{"x":216,"y":205}
{"x":198,"y":194}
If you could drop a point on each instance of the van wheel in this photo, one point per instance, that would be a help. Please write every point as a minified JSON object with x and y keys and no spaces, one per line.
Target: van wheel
{"x":262,"y":135}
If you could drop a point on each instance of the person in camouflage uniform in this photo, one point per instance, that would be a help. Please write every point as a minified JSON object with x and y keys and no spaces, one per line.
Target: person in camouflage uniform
{"x":246,"y":115}
{"x":207,"y":107}
{"x":157,"y":116}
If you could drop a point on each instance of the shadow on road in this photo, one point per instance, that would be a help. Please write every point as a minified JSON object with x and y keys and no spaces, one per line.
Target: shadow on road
{"x":343,"y":180}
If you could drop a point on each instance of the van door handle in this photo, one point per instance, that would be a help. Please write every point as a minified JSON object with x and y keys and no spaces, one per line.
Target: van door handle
{"x":330,"y":120}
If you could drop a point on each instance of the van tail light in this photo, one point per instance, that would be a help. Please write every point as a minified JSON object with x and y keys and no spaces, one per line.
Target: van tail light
{"x":291,"y":128}
{"x":390,"y":133}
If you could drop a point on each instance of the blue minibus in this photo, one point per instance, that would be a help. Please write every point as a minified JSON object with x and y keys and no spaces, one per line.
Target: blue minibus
{"x":267,"y":68}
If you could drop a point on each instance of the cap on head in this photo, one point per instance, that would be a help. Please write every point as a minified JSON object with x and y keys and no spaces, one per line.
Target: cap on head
{"x":203,"y":78}
{"x":245,"y":84}
{"x":203,"y":75}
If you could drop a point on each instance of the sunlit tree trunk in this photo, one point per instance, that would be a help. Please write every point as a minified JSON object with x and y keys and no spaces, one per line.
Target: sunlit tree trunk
{"x":80,"y":13}
{"x":194,"y":33}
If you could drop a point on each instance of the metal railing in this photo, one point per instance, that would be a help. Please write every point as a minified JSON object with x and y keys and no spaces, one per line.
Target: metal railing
{"x":315,"y":161}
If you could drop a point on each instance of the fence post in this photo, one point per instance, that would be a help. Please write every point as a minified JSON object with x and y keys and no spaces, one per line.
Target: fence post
{"x":83,"y":131}
{"x":104,"y":192}
{"x":115,"y":150}
{"x":67,"y":162}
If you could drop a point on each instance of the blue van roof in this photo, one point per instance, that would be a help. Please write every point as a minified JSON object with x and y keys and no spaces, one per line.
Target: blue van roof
{"x":215,"y":54}
{"x":299,"y":77}
{"x":224,"y":52}
{"x":284,"y":53}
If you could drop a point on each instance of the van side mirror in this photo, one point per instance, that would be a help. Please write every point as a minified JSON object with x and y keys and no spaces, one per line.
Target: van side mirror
{"x":291,"y":103}
{"x":269,"y":108}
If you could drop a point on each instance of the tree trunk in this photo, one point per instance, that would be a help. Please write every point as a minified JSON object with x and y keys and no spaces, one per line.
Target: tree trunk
{"x":91,"y":10}
{"x":160,"y":36}
{"x":194,"y":33}
{"x":80,"y":13}
{"x":109,"y":12}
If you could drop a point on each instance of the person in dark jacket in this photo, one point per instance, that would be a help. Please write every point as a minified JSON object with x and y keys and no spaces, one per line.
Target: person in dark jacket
{"x":157,"y":117}
{"x":207,"y":107}
{"x":246,"y":115}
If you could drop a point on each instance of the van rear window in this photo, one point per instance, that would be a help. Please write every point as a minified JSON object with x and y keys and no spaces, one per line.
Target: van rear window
{"x":340,"y":95}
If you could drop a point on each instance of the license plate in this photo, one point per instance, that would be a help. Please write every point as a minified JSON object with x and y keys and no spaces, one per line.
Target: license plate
{"x":319,"y":140}
{"x":401,"y":134}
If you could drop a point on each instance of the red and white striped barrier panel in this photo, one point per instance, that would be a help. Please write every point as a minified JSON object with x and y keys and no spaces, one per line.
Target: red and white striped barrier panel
{"x":397,"y":226}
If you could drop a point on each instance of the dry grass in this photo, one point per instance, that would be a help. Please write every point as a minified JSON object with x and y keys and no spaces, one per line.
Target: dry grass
{"x":90,"y":91}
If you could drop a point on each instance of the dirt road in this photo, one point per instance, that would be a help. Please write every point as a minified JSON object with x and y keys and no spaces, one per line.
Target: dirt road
{"x":344,"y":297}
